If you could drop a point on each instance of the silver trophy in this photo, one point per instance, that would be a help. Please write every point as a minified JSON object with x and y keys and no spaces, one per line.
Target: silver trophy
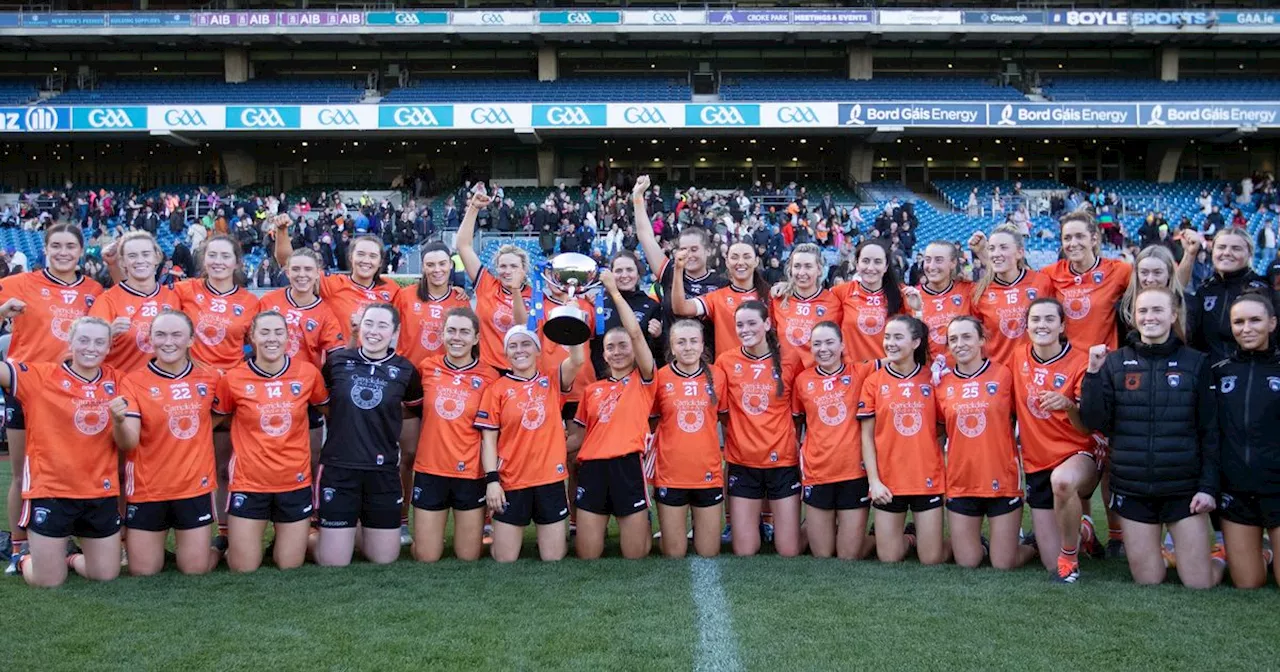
{"x":573,"y":274}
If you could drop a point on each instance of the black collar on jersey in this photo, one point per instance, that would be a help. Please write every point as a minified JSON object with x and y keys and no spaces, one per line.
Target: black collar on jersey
{"x":57,"y":281}
{"x":1021,"y":274}
{"x":950,"y":286}
{"x":871,"y":291}
{"x":369,"y":360}
{"x":610,"y":378}
{"x":1268,"y":355}
{"x":1153,"y":350}
{"x":518,"y":378}
{"x":986,"y":363}
{"x":288,"y":296}
{"x":816,"y":291}
{"x":741,"y":291}
{"x":1066,"y":347}
{"x":448,"y":292}
{"x":253,"y":366}
{"x":895,"y":374}
{"x":155,"y":368}
{"x":124,"y":285}
{"x":449,"y":365}
{"x":1097,"y":261}
{"x":700,"y":278}
{"x":676,"y":370}
{"x":367,"y":288}
{"x":756,"y":358}
{"x":66,"y":366}
{"x":825,"y":374}
{"x":234,"y":288}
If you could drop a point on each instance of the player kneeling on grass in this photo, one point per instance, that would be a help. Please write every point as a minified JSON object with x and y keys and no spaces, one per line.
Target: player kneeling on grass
{"x":359,"y":479}
{"x":613,"y":420}
{"x":1247,"y":388}
{"x":975,"y":402}
{"x":900,"y":446}
{"x":446,"y":470}
{"x":1057,"y":449}
{"x":162,"y":421}
{"x":69,"y":473}
{"x":268,"y":397}
{"x":835,"y":483}
{"x":687,"y":473}
{"x":1153,"y":399}
{"x":524,"y":451}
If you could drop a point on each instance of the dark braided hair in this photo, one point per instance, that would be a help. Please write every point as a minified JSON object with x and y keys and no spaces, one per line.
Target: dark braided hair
{"x":705,"y":362}
{"x":771,"y":340}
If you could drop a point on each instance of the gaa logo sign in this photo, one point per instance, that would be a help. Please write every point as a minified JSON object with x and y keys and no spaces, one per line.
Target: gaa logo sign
{"x":109,"y":118}
{"x":643,"y":115}
{"x":797,"y":115}
{"x":568,"y":116}
{"x":406,"y":19}
{"x":492,"y":19}
{"x":580,"y":18}
{"x":664,"y":18}
{"x":261,"y":117}
{"x":414,"y":116}
{"x":490,"y":116}
{"x":185,"y":118}
{"x":337,"y":116}
{"x":722,"y":115}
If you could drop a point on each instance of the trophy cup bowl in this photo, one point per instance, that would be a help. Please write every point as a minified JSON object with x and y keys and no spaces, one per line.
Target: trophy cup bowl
{"x":573,"y":274}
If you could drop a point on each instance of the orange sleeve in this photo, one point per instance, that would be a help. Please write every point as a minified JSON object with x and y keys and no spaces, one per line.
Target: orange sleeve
{"x":103,"y":308}
{"x":867,"y":399}
{"x":489,"y":415}
{"x":11,"y":287}
{"x":580,"y":417}
{"x":27,"y":381}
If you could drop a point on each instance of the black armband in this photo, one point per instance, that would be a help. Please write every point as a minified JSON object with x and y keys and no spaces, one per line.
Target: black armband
{"x":490,"y":477}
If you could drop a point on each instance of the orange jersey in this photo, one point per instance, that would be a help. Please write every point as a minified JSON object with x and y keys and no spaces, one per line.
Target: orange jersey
{"x":269,"y":428}
{"x":346,"y":297}
{"x":174,"y":455}
{"x":132,"y":349}
{"x":553,"y":353}
{"x":422,"y":322}
{"x":314,"y":331}
{"x":1003,"y":311}
{"x":616,"y":415}
{"x":493,"y":306}
{"x":526,"y":414}
{"x":982,"y":459}
{"x":41,"y":330}
{"x":222,"y":321}
{"x":908,"y":457}
{"x":832,"y":448}
{"x":687,"y":443}
{"x":760,"y":432}
{"x":70,"y":452}
{"x":719,"y":306}
{"x":942,"y":307}
{"x":863,"y":316}
{"x":1048,"y":437}
{"x":449,"y":444}
{"x":796,"y":318}
{"x":1089,"y":299}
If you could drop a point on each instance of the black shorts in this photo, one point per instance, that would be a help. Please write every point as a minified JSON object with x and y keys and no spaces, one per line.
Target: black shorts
{"x":62,"y":517}
{"x":1152,"y":510}
{"x":14,"y":418}
{"x":1252,"y":510}
{"x":613,"y":487}
{"x":984,"y":506}
{"x":177,"y":514}
{"x":277,"y":507}
{"x":315,"y":419}
{"x":441,"y":493}
{"x":540,"y":504}
{"x":695,"y":497}
{"x":568,"y":411}
{"x":839,"y":496}
{"x":371,"y":497}
{"x":1040,"y":488}
{"x":916,"y":503}
{"x":755,"y":483}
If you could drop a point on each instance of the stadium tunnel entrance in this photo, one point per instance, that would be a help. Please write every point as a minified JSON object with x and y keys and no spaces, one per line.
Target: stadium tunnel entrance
{"x":710,"y":159}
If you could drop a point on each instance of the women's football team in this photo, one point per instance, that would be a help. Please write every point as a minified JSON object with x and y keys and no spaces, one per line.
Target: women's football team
{"x":818,"y":410}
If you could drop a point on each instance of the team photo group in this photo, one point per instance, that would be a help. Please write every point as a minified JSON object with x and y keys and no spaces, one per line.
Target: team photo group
{"x":865,"y":419}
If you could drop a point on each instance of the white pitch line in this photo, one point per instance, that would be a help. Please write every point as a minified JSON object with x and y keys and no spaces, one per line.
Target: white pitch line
{"x":717,"y":643}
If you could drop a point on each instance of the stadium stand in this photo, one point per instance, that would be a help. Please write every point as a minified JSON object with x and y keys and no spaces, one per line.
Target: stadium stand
{"x":18,"y":92}
{"x":1068,"y":89}
{"x":581,"y":89}
{"x":744,"y":88}
{"x":199,"y":90}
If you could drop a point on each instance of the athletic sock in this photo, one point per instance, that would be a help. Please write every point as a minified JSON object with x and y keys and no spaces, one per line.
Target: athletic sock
{"x":1070,"y":554}
{"x":1116,"y":535}
{"x":404,"y":520}
{"x":222,"y":529}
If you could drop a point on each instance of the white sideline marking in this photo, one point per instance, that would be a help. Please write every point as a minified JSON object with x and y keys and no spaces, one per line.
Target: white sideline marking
{"x":717,"y":643}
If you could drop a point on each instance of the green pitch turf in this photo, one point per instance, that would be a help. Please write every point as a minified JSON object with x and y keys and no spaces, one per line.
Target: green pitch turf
{"x":797,"y":614}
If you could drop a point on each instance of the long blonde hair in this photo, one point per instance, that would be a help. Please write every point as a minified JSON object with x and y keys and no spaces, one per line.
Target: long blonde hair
{"x":1131,"y":293}
{"x":787,"y":287}
{"x":980,"y":287}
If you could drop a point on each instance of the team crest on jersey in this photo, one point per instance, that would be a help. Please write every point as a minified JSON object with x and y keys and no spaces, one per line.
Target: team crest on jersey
{"x":821,"y":311}
{"x":1274,"y":383}
{"x":543,"y":382}
{"x":845,"y":380}
{"x":386,"y":296}
{"x":328,"y":494}
{"x":202,"y":389}
{"x":1058,"y":381}
{"x":884,"y":389}
{"x":476,"y":383}
{"x":992,"y":388}
{"x":924,"y":390}
{"x":393,"y":371}
{"x":237,"y":310}
{"x":295,"y":388}
{"x":155,"y":392}
{"x":1097,"y":278}
{"x":110,"y":388}
{"x":311,"y":325}
{"x":1229,"y":384}
{"x":957,"y":300}
{"x":66,"y":384}
{"x":88,"y":301}
{"x":1132,"y":381}
{"x":1210,"y":302}
{"x":249,"y":389}
{"x":1174,"y":379}
{"x":44,"y":293}
{"x":809,"y":386}
{"x":737,"y":368}
{"x":41,"y":515}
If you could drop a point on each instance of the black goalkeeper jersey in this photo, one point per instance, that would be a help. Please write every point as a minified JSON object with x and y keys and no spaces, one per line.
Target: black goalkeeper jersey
{"x":365,"y":408}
